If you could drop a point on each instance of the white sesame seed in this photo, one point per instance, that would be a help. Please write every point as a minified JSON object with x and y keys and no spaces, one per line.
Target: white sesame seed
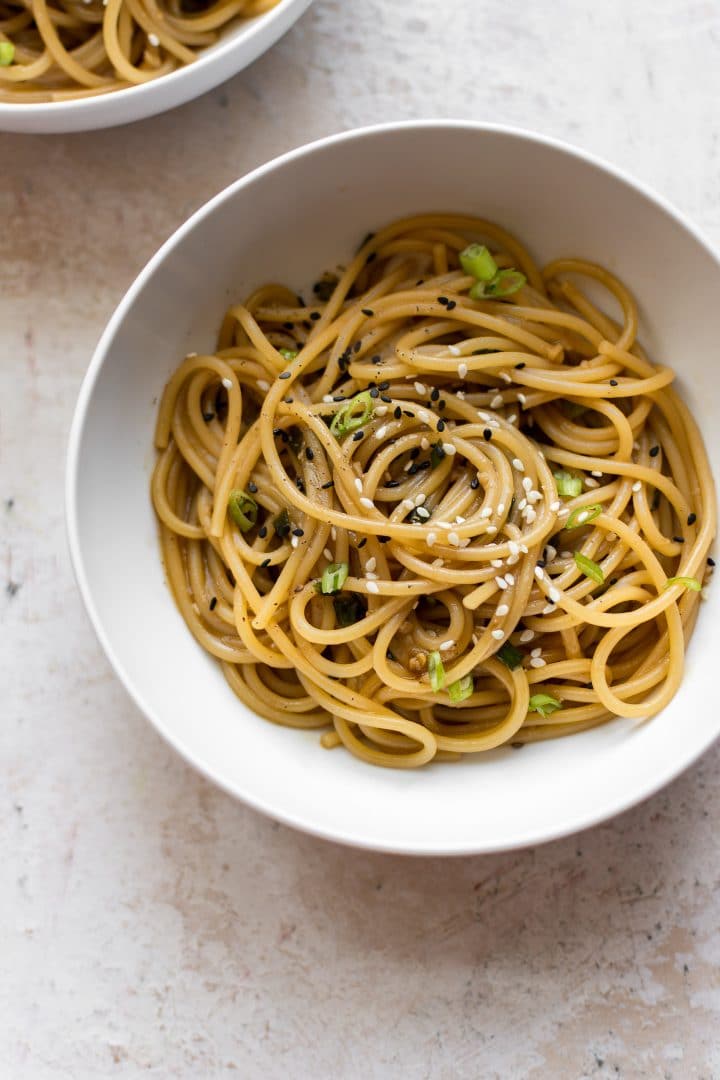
{"x":590,"y":483}
{"x":636,"y":486}
{"x":486,"y":512}
{"x":370,"y":576}
{"x":534,"y":496}
{"x":328,"y":554}
{"x":549,"y":609}
{"x":553,"y":595}
{"x":502,"y":610}
{"x":422,"y":513}
{"x":501,"y":508}
{"x":539,"y":573}
{"x":474,"y":639}
{"x":513,"y":547}
{"x":453,"y":539}
{"x":370,"y":565}
{"x":449,"y":448}
{"x":459,"y":520}
{"x":504,"y":375}
{"x":420,"y":498}
{"x":554,"y":507}
{"x":333,"y":532}
{"x":523,"y":548}
{"x":462,"y":370}
{"x":512,"y":559}
{"x":381,"y":410}
{"x":512,"y":418}
{"x":294,"y":541}
{"x":537,"y":662}
{"x":497,"y":402}
{"x":372,"y":587}
{"x":521,"y":398}
{"x":563,"y":512}
{"x":596,"y":472}
{"x":430,"y":539}
{"x":484,"y":417}
{"x":582,"y":516}
{"x":381,"y":432}
{"x":510,"y":578}
{"x":453,"y":350}
{"x":420,"y":389}
{"x":527,"y":635}
{"x":446,"y":645}
{"x":437,"y":563}
{"x":530,"y":515}
{"x":536,"y":652}
{"x":491,"y":530}
{"x":501,"y":583}
{"x":517,"y":464}
{"x":227,"y":383}
{"x":566,"y":554}
{"x":498,"y":634}
{"x":358,"y":483}
{"x":407,"y":504}
{"x":497,"y":563}
{"x":423,"y":416}
{"x":263,"y":385}
{"x":443,"y":524}
{"x":460,"y":395}
{"x":367,"y":503}
{"x":550,"y":552}
{"x":327,"y":398}
{"x":527,"y":483}
{"x":522,"y":504}
{"x":424,"y":443}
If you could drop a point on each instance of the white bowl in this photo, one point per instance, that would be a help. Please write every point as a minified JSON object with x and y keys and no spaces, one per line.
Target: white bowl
{"x":287,"y":221}
{"x":239,"y":46}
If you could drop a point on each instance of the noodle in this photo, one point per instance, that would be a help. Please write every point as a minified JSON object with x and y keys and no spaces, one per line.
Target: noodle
{"x":79,"y":48}
{"x":433,"y":524}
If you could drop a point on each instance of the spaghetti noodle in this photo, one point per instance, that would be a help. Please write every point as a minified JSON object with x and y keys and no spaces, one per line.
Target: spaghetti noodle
{"x":80,"y":48}
{"x":446,"y":504}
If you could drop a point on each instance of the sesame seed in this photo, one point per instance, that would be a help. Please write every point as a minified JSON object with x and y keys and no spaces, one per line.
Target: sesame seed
{"x":420,"y":389}
{"x":424,"y":443}
{"x":502,"y":610}
{"x":449,"y":448}
{"x":512,"y":559}
{"x":486,"y":512}
{"x":358,"y":484}
{"x":553,"y":595}
{"x":497,"y":563}
{"x":530,"y":515}
{"x":517,"y":464}
{"x":510,"y":579}
{"x":284,"y":375}
{"x":539,"y":573}
{"x":407,"y":504}
{"x":590,"y":483}
{"x":692,"y":518}
{"x":453,"y":350}
{"x":453,"y":539}
{"x":504,"y":375}
{"x":328,"y":554}
{"x":333,"y":532}
{"x":381,"y":410}
{"x":294,"y":541}
{"x":596,"y":472}
{"x":537,"y":662}
{"x":527,"y":635}
{"x":554,"y":507}
{"x":227,"y":383}
{"x":462,"y":370}
{"x":549,"y":609}
{"x":501,"y":583}
{"x":522,"y":399}
{"x":637,"y":486}
{"x":422,"y":513}
{"x":446,"y":645}
{"x":370,"y":565}
{"x":370,"y":576}
{"x":497,"y":402}
{"x":154,"y":40}
{"x":513,"y":547}
{"x":420,"y":499}
{"x":534,"y":496}
{"x":491,"y":530}
{"x":522,"y":504}
{"x":262,"y":384}
{"x":527,"y":483}
{"x":367,"y":503}
{"x":372,"y":587}
{"x":430,"y":539}
{"x":423,"y":416}
{"x":498,"y":634}
{"x":327,"y":398}
{"x":582,"y":516}
{"x":501,"y":508}
{"x":524,"y":549}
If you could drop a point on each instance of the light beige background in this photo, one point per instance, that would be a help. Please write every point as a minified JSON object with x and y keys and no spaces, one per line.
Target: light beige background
{"x":148,"y":924}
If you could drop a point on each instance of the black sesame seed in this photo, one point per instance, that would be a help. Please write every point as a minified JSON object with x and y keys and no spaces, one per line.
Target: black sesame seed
{"x":208,"y":416}
{"x":277,"y":432}
{"x":710,"y":561}
{"x":541,"y":563}
{"x":309,"y":453}
{"x":679,"y":539}
{"x":435,"y":394}
{"x":329,"y":484}
{"x":262,"y":532}
{"x":213,"y":603}
{"x":442,"y":404}
{"x":386,"y":399}
{"x":362,"y":543}
{"x":300,"y":484}
{"x":390,"y":655}
{"x":408,"y":412}
{"x":393,"y":483}
{"x":252,"y":487}
{"x":520,"y":366}
{"x":358,"y":436}
{"x":315,"y":315}
{"x":357,"y":346}
{"x":654,"y":451}
{"x":288,"y":400}
{"x":368,"y":311}
{"x":424,"y":465}
{"x":692,"y":518}
{"x":307,"y":324}
{"x":443,"y":300}
{"x":298,"y":532}
{"x":377,"y":359}
{"x":451,"y":304}
{"x":339,"y":397}
{"x":487,"y":434}
{"x":440,"y":425}
{"x":414,"y":453}
{"x":371,"y":257}
{"x":289,"y":325}
{"x":414,"y":469}
{"x":383,"y":539}
{"x":398,"y":412}
{"x":284,"y":375}
{"x":613,"y":382}
{"x":384,"y":385}
{"x":374,"y":393}
{"x":475,"y":483}
{"x":265,"y":563}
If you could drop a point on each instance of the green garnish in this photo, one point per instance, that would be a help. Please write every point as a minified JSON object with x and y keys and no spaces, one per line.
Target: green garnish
{"x":334,"y":577}
{"x":349,"y":609}
{"x":688,"y":582}
{"x":589,"y":568}
{"x":242,"y":509}
{"x":568,"y":485}
{"x":461,"y":690}
{"x":437,"y":454}
{"x":544,"y":704}
{"x":350,"y":418}
{"x":281,"y":524}
{"x":583,"y":516}
{"x":511,"y":657}
{"x":477,"y":261}
{"x":505,"y":283}
{"x":436,"y":671}
{"x":288,"y":354}
{"x":7,"y":53}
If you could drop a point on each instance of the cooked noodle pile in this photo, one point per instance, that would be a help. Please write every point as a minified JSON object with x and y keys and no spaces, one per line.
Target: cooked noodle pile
{"x":443,"y":504}
{"x":78,"y":48}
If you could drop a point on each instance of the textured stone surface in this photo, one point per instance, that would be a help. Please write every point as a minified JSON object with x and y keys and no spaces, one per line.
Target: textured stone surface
{"x":149,"y":924}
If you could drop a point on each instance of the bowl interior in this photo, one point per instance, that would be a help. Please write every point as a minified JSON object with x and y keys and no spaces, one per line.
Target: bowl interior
{"x":289,"y":221}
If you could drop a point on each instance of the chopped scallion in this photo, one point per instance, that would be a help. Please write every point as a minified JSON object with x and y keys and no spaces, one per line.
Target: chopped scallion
{"x":568,"y":485}
{"x":288,"y":354}
{"x":589,"y":568}
{"x":544,"y":704}
{"x":688,"y":582}
{"x":282,"y":524}
{"x":349,"y":609}
{"x":436,"y":671}
{"x":583,"y":516}
{"x":334,"y":577}
{"x":461,"y":690}
{"x":511,"y":657}
{"x":7,"y":53}
{"x":477,"y":261}
{"x":505,"y":283}
{"x":242,"y":509}
{"x":353,"y":415}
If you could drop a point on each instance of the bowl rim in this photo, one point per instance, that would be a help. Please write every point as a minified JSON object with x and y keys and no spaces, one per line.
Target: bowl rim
{"x":616,"y":803}
{"x":86,"y":107}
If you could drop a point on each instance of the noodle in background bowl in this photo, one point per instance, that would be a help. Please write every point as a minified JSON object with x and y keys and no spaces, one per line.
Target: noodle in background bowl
{"x":289,"y":220}
{"x":242,"y":43}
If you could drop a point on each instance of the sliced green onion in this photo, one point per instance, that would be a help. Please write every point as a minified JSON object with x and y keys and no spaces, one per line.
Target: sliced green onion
{"x":349,"y":609}
{"x":544,"y":704}
{"x":334,"y":577}
{"x":281,"y":524}
{"x":437,"y":454}
{"x":688,"y":582}
{"x":7,"y":53}
{"x":589,"y":568}
{"x":436,"y":671}
{"x":511,"y":657}
{"x":505,"y":283}
{"x":587,"y":513}
{"x":350,"y":418}
{"x":461,"y":690}
{"x":288,"y":354}
{"x":242,"y":509}
{"x":568,"y":485}
{"x":477,"y":260}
